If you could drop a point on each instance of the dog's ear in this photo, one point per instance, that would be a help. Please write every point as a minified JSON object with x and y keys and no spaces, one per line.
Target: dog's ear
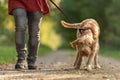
{"x":73,"y":44}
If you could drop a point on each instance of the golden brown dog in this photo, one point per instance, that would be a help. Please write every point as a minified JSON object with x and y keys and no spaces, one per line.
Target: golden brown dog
{"x":87,"y":42}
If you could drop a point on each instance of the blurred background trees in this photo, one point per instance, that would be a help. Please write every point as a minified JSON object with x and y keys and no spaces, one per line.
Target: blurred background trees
{"x":53,"y":35}
{"x":6,"y":25}
{"x":106,"y":12}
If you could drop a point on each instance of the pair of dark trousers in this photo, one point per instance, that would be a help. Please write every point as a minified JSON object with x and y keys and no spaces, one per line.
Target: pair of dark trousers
{"x":24,"y":19}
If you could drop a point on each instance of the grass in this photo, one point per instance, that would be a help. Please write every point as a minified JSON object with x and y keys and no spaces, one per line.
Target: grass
{"x":43,"y":50}
{"x":110,"y":52}
{"x":8,"y":53}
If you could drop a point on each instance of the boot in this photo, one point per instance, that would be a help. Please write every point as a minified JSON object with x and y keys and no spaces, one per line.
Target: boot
{"x":21,"y":64}
{"x":31,"y":63}
{"x":20,"y":48}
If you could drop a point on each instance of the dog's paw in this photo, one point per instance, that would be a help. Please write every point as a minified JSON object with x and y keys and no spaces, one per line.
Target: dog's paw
{"x":88,"y":68}
{"x":76,"y":67}
{"x":97,"y":66}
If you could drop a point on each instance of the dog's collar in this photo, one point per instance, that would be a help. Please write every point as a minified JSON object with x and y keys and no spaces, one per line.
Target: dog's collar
{"x":80,"y":28}
{"x":83,"y":28}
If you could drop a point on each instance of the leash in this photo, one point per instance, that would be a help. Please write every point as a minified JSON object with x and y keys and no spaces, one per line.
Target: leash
{"x":67,"y":17}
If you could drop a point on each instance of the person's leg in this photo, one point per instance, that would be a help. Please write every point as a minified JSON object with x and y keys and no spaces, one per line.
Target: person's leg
{"x":34,"y":18}
{"x":20,"y":36}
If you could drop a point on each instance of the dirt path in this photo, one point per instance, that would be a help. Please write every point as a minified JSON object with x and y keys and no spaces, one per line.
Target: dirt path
{"x":58,"y":66}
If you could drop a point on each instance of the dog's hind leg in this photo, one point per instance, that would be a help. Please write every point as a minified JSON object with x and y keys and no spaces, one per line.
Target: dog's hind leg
{"x":96,"y":64}
{"x":91,"y":58}
{"x":78,"y":61}
{"x":77,"y":56}
{"x":90,"y":61}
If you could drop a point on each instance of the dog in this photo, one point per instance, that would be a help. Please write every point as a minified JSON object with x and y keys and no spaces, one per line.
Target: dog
{"x":87,"y":42}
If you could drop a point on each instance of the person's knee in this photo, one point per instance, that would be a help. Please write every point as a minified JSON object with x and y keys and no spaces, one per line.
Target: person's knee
{"x":20,"y":19}
{"x":20,"y":28}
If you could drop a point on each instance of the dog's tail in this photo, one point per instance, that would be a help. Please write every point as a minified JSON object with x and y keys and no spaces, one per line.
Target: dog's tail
{"x":69,"y":25}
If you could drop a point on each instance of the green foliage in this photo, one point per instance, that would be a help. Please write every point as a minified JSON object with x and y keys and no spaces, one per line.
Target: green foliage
{"x":113,"y":16}
{"x":3,"y":14}
{"x":110,"y":52}
{"x":43,"y":50}
{"x":6,"y":34}
{"x":7,"y":54}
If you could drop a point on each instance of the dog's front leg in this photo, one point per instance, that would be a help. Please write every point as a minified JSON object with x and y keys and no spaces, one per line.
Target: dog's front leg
{"x":77,"y":56}
{"x":78,"y":60}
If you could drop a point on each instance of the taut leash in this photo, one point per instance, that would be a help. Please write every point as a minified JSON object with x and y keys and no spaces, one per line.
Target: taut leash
{"x":61,"y":11}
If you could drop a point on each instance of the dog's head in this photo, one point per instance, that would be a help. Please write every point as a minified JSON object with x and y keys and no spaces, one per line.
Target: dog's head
{"x":85,"y":44}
